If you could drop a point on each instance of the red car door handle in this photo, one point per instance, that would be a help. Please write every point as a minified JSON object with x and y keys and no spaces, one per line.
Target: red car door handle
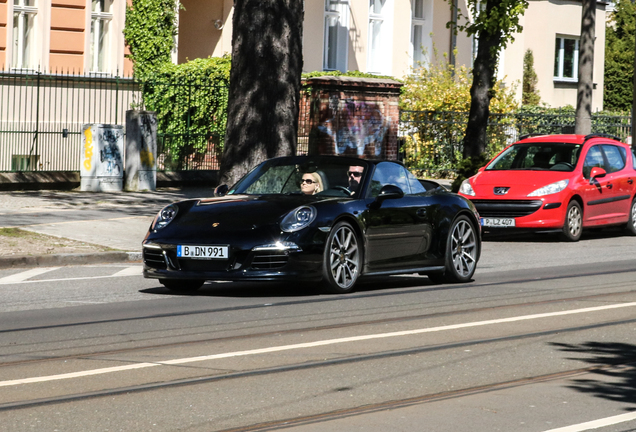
{"x":609,"y":186}
{"x":630,"y":181}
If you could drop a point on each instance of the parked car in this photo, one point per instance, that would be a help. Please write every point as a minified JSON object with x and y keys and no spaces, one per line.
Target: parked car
{"x":557,"y":182}
{"x":367,"y":218}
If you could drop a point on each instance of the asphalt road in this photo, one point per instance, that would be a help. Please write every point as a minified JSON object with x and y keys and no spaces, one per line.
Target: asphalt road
{"x":542,"y":340}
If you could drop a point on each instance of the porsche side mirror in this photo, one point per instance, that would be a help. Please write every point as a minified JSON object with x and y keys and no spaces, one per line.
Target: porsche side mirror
{"x":390,"y":192}
{"x":387,"y":192}
{"x":597,"y":173}
{"x":221,"y":190}
{"x":481,"y":169}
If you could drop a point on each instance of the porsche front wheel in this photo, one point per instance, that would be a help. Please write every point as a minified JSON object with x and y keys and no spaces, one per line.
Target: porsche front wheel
{"x":342,"y":259}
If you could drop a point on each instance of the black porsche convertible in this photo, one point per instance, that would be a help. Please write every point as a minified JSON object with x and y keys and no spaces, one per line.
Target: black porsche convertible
{"x":315,"y":218}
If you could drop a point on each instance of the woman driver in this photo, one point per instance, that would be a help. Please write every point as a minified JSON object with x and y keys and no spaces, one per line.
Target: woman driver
{"x":311,"y":184}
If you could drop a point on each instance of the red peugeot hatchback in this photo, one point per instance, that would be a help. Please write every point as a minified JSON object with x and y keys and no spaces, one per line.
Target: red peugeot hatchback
{"x":557,"y":182}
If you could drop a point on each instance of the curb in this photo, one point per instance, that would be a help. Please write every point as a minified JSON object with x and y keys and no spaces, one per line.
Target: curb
{"x":69,"y":259}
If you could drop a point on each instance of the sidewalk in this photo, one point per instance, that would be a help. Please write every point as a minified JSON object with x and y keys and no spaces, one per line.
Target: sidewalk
{"x":115,"y":220}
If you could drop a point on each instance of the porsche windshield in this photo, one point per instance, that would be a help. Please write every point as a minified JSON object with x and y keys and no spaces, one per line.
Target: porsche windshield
{"x":308,"y":176}
{"x":543,"y":156}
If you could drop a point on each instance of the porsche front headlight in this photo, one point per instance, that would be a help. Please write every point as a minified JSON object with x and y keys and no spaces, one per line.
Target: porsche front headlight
{"x":165,"y":216}
{"x":298,"y":219}
{"x":550,"y":189}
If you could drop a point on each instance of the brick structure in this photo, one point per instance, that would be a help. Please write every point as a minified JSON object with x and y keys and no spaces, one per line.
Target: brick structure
{"x":349,"y":116}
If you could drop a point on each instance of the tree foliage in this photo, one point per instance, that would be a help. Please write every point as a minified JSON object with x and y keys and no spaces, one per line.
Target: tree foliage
{"x":150,"y":33}
{"x":434,"y":102}
{"x":530,"y":94}
{"x":190,"y":100}
{"x":619,"y":57}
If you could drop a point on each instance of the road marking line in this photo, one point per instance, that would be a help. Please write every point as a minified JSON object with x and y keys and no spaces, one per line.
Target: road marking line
{"x":129,"y":271}
{"x":23,"y":276}
{"x":595,"y":424}
{"x":310,"y":345}
{"x":67,"y":279}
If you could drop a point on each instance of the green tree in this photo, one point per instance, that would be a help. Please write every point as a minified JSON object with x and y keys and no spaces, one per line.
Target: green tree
{"x":493,"y":25}
{"x":264,"y":94}
{"x":150,"y":33}
{"x":530,"y":94}
{"x":619,"y":57}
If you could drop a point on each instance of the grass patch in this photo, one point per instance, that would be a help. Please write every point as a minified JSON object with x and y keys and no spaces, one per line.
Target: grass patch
{"x":16,"y":233}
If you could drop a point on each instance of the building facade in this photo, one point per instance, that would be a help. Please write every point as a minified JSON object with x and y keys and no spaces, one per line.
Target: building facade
{"x":389,"y":37}
{"x":551,"y":30}
{"x":384,"y":37}
{"x":63,"y":36}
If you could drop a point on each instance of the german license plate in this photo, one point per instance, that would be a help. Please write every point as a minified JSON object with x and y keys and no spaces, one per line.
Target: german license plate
{"x":497,"y":222}
{"x":202,"y":252}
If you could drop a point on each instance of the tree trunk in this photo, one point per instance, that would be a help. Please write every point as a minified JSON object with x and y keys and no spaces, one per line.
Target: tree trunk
{"x":264,"y":91}
{"x":484,"y":70}
{"x":583,"y":125}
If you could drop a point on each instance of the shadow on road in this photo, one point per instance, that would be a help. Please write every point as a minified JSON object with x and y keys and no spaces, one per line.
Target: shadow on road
{"x":552,"y":237}
{"x":617,"y":383}
{"x":372,"y":286}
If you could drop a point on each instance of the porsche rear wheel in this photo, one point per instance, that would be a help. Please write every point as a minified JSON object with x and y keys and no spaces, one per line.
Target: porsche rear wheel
{"x":182,"y":285}
{"x":342,"y":259}
{"x":462,"y":250}
{"x":573,"y":226}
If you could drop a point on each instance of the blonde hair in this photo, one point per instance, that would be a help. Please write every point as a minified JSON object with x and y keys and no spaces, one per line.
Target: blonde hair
{"x":318,"y":180}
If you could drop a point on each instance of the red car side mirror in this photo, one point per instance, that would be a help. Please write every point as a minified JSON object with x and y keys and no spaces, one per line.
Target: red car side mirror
{"x":596,"y":173}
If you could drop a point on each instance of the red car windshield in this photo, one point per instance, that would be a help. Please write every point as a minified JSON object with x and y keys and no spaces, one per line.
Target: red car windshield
{"x":540,"y":156}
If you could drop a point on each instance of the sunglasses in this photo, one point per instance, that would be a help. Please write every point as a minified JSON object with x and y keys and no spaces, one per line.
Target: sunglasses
{"x":354,"y":173}
{"x":308,"y":181}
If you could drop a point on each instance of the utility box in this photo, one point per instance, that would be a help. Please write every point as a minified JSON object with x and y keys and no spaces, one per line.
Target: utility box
{"x":141,"y":150}
{"x":102,"y":161}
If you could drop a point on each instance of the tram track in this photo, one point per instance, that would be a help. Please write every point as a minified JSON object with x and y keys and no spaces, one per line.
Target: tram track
{"x":302,"y":330}
{"x":624,"y":361}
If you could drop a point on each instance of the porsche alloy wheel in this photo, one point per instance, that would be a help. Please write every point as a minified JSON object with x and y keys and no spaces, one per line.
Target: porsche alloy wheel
{"x":342,"y":259}
{"x":462,"y":251}
{"x":573,"y":227}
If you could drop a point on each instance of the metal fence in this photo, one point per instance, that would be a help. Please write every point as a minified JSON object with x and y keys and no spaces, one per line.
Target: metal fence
{"x":431,"y":141}
{"x":41,"y":116}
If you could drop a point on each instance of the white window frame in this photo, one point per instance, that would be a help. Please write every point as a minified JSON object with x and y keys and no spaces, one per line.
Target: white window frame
{"x":22,"y":56}
{"x":376,"y":34}
{"x":99,"y":19}
{"x":341,"y":43}
{"x":426,"y":23}
{"x":560,"y":58}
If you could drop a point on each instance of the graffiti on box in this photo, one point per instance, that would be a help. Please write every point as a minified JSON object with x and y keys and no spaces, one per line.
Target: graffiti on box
{"x":355,"y":127}
{"x":110,"y":155}
{"x":148,"y":124}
